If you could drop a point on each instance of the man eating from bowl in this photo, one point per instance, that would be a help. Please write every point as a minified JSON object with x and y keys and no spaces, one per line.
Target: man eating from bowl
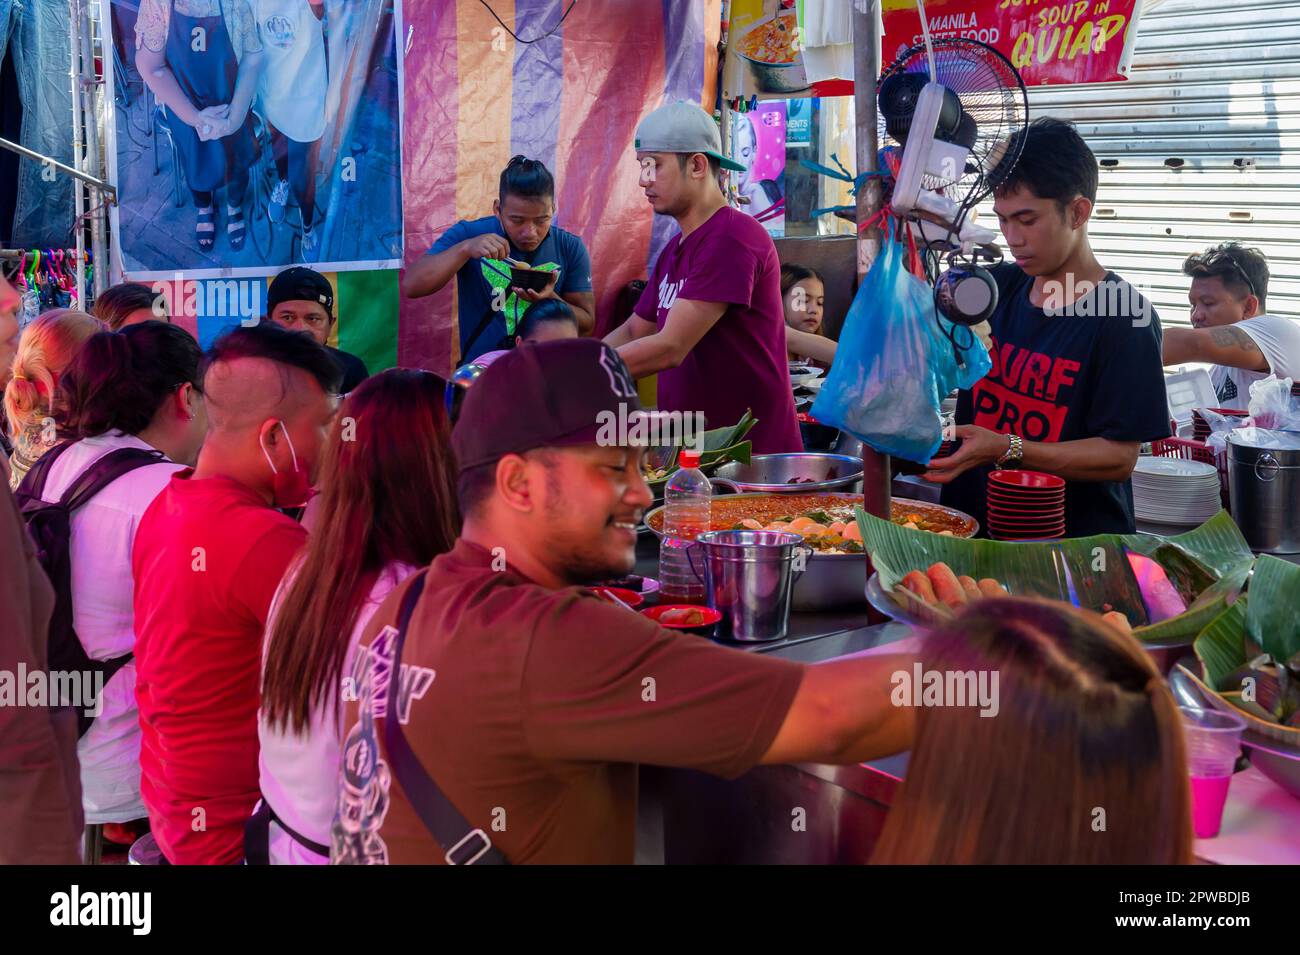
{"x":710,"y":322}
{"x":490,"y":304}
{"x":530,"y":700}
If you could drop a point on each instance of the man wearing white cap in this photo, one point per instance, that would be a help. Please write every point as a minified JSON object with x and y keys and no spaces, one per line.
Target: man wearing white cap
{"x":710,"y":322}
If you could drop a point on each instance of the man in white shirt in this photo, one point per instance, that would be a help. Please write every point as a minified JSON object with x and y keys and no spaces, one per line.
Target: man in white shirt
{"x":1230,"y":327}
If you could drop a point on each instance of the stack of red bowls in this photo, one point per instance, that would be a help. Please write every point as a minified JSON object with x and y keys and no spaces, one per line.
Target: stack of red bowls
{"x":1025,"y":505}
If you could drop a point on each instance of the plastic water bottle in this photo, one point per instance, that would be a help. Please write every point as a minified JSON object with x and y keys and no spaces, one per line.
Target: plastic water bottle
{"x":688,"y":504}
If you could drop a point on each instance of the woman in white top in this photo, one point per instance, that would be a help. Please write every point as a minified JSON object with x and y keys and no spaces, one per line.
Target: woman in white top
{"x":137,"y":388}
{"x":387,"y":507}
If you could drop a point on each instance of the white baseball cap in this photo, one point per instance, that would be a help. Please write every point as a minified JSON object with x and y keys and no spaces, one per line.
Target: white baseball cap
{"x":682,"y":127}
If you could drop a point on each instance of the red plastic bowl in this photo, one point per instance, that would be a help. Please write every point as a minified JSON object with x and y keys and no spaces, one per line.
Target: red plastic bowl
{"x":1032,"y":480}
{"x":629,"y":597}
{"x":1032,"y":504}
{"x":1025,"y":510}
{"x":1027,"y":530}
{"x":711,"y":617}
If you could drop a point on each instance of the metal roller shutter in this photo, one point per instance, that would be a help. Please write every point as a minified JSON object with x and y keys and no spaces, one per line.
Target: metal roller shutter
{"x":1201,"y":145}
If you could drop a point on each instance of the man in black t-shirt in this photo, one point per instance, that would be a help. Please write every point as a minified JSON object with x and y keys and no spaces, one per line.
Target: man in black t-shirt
{"x":302,"y":300}
{"x":1077,"y":383}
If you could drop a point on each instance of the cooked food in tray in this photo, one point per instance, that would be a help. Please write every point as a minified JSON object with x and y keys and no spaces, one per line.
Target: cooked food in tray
{"x":826,"y":522}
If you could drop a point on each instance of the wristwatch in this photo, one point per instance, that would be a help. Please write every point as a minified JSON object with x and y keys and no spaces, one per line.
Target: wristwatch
{"x":1015,"y":452}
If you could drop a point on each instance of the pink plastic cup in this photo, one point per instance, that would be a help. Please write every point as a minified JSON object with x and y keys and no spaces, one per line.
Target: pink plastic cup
{"x":1213,"y":744}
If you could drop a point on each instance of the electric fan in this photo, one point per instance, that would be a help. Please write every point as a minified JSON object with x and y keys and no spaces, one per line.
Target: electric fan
{"x":955,"y":107}
{"x":958,"y":109}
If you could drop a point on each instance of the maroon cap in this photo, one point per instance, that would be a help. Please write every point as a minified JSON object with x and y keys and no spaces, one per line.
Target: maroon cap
{"x":547,"y":394}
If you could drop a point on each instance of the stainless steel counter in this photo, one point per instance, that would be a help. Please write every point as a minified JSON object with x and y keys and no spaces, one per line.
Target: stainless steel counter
{"x":786,"y":814}
{"x":806,"y":814}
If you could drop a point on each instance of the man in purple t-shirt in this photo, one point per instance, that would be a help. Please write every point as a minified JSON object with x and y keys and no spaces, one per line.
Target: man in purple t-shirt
{"x":710,"y":321}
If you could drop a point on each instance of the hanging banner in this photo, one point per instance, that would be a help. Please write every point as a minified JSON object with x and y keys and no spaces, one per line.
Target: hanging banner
{"x":784,"y":48}
{"x":758,"y":143}
{"x":1076,"y":41}
{"x":250,"y":135}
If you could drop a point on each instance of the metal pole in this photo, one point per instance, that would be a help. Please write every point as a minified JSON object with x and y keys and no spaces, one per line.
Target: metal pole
{"x":90,"y":112}
{"x":78,"y":156}
{"x":866,"y":70}
{"x":55,"y":164}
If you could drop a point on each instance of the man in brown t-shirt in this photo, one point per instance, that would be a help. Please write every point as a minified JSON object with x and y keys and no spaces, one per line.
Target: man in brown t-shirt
{"x":530,"y":702}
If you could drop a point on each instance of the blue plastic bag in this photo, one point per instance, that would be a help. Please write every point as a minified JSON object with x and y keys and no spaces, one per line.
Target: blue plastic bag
{"x":894,"y":365}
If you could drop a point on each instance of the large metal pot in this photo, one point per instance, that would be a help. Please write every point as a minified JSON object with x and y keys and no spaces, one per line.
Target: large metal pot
{"x":1264,"y":488}
{"x":772,"y":473}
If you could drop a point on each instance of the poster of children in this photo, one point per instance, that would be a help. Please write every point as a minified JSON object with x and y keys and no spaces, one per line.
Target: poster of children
{"x":758,"y":143}
{"x":254,"y":134}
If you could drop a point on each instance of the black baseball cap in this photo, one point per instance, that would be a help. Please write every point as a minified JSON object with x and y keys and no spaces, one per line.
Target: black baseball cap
{"x":544,"y":394}
{"x":300,"y":284}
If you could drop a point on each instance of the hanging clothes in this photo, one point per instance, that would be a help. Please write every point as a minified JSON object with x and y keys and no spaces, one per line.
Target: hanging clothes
{"x":36,"y":33}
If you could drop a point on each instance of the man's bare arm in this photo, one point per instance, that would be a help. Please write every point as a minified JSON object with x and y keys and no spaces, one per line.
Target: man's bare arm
{"x":1222,"y":345}
{"x":843,"y":713}
{"x":584,"y":310}
{"x":635,"y":327}
{"x":688,"y":321}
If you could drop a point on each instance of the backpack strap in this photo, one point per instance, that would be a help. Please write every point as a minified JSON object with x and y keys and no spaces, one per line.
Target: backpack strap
{"x":32,"y":486}
{"x":468,"y":844}
{"x":103,"y":473}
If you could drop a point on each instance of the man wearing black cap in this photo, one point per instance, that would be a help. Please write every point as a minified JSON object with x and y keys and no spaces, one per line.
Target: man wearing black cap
{"x":302,"y":300}
{"x":526,"y":701}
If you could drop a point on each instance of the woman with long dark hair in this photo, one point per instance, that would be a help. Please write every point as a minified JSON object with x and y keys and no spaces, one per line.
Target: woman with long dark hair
{"x":803,"y":294}
{"x":387,"y":507}
{"x":1082,"y":762}
{"x":139,"y":388}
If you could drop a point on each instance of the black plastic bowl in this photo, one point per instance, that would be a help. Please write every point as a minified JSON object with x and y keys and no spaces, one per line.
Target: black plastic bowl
{"x":535,"y":280}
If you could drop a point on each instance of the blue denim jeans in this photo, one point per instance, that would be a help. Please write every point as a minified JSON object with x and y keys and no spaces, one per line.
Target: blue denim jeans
{"x":37,"y":33}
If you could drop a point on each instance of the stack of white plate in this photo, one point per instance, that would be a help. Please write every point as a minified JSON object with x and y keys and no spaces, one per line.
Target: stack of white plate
{"x":1175,"y":491}
{"x":801,"y":378}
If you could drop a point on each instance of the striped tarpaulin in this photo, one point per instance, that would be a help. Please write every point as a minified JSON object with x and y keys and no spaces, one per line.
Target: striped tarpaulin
{"x":474,"y":97}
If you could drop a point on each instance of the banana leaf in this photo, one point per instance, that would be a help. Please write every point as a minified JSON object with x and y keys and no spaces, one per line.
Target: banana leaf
{"x":719,"y":445}
{"x":1273,"y":620}
{"x":1092,"y":572}
{"x":1221,"y":646}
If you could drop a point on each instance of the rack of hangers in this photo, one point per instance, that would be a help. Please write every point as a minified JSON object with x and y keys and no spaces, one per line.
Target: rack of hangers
{"x":48,"y":278}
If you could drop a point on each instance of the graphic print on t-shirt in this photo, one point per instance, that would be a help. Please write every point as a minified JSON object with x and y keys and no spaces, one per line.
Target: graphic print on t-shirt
{"x":279,"y":31}
{"x":497,"y":274}
{"x":364,"y":799}
{"x":668,"y":292}
{"x":1026,"y":393}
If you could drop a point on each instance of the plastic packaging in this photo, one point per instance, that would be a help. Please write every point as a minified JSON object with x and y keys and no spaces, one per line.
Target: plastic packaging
{"x":1272,"y":406}
{"x":895,"y":363}
{"x":688,"y":505}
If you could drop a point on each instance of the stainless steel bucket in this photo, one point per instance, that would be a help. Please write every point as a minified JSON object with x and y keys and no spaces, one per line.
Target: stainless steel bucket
{"x":1264,"y":488}
{"x":748,"y":578}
